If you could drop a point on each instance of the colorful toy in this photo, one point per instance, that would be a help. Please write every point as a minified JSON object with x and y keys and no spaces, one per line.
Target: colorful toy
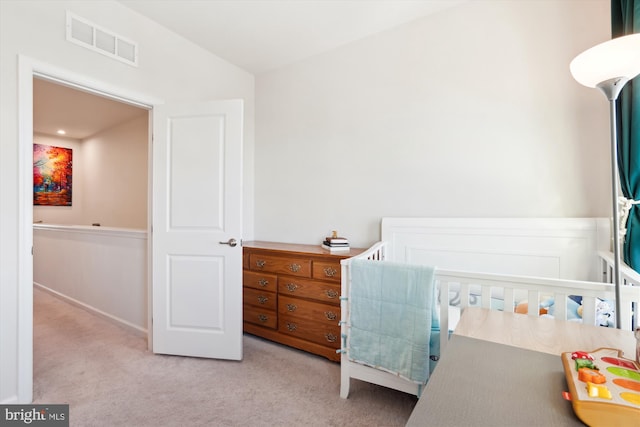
{"x":594,"y":390}
{"x":591,"y":376}
{"x":585,"y":363}
{"x":605,"y":310}
{"x":547,"y":309}
{"x":608,"y":397}
{"x":605,"y":313}
{"x":581,"y":355}
{"x":523,"y":308}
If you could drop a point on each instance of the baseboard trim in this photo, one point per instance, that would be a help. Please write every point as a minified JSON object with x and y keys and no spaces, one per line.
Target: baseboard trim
{"x":13,"y":400}
{"x":137,"y":330}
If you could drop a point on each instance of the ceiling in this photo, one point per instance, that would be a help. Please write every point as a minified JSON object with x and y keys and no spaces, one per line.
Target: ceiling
{"x":255,"y":35}
{"x":79,"y":113}
{"x":261,"y":35}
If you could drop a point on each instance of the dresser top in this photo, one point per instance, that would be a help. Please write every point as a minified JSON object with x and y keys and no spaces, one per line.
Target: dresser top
{"x":300,"y":248}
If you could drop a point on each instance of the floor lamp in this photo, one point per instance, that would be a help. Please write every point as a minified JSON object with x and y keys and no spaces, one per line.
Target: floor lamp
{"x":608,"y":67}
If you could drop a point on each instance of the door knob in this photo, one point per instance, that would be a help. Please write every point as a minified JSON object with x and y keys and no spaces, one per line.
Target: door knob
{"x":231,"y":242}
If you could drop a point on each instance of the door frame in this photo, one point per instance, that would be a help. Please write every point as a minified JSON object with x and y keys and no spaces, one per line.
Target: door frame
{"x":28,"y":68}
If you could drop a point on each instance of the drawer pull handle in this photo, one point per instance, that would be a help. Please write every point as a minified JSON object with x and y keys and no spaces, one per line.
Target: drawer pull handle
{"x":262,"y":317}
{"x":262,"y":299}
{"x":330,"y":337}
{"x":291,"y":326}
{"x":291,"y":307}
{"x":260,"y":263}
{"x":331,"y":293}
{"x":295,"y":267}
{"x":292,"y":287}
{"x":330,"y":272}
{"x":263,"y":282}
{"x":330,"y":315}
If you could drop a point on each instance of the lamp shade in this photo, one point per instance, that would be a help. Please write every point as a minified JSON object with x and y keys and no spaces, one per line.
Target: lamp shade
{"x":619,"y":57}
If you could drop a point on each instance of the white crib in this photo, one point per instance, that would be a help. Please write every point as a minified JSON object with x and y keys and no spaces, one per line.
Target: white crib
{"x":487,"y":289}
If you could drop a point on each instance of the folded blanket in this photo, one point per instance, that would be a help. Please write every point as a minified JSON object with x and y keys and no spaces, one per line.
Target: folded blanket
{"x":392,"y":315}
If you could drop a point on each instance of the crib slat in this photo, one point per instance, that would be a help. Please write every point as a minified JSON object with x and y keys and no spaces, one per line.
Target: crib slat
{"x":464,"y":295}
{"x":560,"y":306}
{"x":444,"y":314}
{"x":588,"y":310}
{"x":625,"y":314}
{"x":485,"y":295}
{"x":533,"y":299}
{"x":509,"y":300}
{"x":630,"y":307}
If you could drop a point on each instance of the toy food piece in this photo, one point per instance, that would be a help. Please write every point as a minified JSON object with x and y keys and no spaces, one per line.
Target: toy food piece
{"x":581,"y":355}
{"x":631,"y":397}
{"x":585,"y":363}
{"x":587,"y":375}
{"x":627,"y":373}
{"x":627,"y":364}
{"x":595,"y":390}
{"x":631,"y":385}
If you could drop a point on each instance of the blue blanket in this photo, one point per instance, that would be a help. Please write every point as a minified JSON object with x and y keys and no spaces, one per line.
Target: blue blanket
{"x":393,"y":313}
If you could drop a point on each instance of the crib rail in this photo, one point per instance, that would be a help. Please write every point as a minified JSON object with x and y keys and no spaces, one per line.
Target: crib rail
{"x":629,"y":276}
{"x":485,"y":290}
{"x":503,"y":292}
{"x":458,"y":290}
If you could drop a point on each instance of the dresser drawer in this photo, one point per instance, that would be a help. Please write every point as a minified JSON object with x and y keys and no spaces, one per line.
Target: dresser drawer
{"x":260,"y":316}
{"x":260,"y":298}
{"x":328,"y":293}
{"x":321,"y":313}
{"x":326,"y":270}
{"x":245,"y":260}
{"x":291,"y":294}
{"x":264,"y":281}
{"x":310,"y":330}
{"x":280,"y":265}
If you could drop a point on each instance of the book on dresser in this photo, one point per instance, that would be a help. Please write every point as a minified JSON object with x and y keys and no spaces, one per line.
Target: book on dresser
{"x":291,"y":295}
{"x":335,"y":247}
{"x":337,"y":240}
{"x":336,"y":244}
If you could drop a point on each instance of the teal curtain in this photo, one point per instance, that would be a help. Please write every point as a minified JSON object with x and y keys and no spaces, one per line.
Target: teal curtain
{"x":625,"y":20}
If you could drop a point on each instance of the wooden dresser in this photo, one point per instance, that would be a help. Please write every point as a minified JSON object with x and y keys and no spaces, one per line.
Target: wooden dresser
{"x":292,"y":295}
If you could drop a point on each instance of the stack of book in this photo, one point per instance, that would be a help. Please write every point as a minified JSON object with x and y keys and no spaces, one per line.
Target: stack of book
{"x":336,"y":244}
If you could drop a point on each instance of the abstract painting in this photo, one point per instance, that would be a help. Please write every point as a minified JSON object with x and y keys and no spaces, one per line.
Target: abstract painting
{"x":52,"y":175}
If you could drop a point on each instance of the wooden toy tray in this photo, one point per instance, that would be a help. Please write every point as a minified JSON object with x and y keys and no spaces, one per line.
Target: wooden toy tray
{"x":615,"y":401}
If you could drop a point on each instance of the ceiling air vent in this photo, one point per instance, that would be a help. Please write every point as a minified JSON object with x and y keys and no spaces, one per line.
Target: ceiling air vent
{"x":84,"y":33}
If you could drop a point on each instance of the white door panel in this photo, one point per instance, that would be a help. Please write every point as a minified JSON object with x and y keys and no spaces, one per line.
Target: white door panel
{"x":197,"y":201}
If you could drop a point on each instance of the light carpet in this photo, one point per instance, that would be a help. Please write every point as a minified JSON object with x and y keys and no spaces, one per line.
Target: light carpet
{"x":109,"y":378}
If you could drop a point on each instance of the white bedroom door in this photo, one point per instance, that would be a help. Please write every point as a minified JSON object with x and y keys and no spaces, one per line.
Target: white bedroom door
{"x":197,"y":216}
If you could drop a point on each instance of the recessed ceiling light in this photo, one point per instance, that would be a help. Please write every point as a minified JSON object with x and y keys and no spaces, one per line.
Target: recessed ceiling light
{"x":61,"y":132}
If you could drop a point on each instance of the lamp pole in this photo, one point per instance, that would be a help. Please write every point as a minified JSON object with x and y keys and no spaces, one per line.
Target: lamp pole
{"x":609,"y":66}
{"x":611,"y":89}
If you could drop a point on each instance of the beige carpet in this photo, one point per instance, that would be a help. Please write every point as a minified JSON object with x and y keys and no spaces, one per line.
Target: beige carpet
{"x":108,"y":378}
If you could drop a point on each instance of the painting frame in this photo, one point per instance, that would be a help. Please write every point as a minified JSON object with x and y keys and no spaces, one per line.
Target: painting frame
{"x":52,"y":175}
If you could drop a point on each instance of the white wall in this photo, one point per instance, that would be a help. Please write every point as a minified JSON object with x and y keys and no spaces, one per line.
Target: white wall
{"x":170,"y":69}
{"x":110,"y":178}
{"x":471,"y":112}
{"x":102,"y":269}
{"x":116,"y":186}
